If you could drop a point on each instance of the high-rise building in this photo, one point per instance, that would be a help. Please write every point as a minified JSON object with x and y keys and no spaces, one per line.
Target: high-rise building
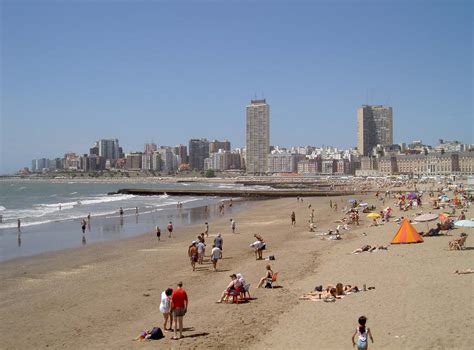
{"x":215,"y":146}
{"x":182,"y":152}
{"x":198,"y":151}
{"x":374,"y":127}
{"x":168,"y":160}
{"x":258,"y":137}
{"x":109,"y":149}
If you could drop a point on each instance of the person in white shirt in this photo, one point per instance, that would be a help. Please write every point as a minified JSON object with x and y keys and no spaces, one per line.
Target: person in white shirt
{"x":216,"y":254}
{"x":258,"y":246}
{"x":165,"y":306}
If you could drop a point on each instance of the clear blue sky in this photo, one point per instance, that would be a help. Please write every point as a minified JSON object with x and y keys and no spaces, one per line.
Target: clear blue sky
{"x":76,"y":71}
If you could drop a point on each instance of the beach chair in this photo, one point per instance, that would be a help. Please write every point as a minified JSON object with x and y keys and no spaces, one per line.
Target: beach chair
{"x":234,"y":294}
{"x":458,"y":244}
{"x":244,"y":291}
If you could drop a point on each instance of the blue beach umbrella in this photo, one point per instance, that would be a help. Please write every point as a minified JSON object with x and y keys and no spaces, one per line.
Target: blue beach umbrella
{"x":464,"y":223}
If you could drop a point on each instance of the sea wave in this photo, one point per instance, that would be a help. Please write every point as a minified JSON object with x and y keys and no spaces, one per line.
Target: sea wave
{"x":2,"y":207}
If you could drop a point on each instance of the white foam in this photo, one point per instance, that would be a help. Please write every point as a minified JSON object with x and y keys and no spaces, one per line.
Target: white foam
{"x":2,"y":207}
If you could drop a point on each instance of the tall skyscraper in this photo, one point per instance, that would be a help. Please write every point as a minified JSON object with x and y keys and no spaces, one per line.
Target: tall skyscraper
{"x":109,"y":149}
{"x":198,"y":151}
{"x":258,"y":137}
{"x":374,"y":127}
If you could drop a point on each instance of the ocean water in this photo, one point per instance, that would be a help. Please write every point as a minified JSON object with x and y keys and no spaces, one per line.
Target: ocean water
{"x":51,"y":213}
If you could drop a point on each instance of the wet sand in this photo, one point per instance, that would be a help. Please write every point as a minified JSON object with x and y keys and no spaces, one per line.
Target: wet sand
{"x":103,"y":295}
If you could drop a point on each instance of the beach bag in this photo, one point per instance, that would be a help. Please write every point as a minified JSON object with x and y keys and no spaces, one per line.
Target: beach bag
{"x":271,"y":257}
{"x":156,"y":333}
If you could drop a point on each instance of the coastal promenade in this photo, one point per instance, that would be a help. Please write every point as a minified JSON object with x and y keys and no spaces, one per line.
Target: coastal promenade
{"x":248,"y":193}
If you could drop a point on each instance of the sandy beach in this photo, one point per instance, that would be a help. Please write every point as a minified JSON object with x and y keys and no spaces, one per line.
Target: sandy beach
{"x":103,"y":295}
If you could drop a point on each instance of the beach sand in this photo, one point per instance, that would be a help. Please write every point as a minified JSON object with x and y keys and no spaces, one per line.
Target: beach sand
{"x":103,"y":295}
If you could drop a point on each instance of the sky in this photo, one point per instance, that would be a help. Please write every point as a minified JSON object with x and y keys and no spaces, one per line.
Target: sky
{"x":75,"y":71}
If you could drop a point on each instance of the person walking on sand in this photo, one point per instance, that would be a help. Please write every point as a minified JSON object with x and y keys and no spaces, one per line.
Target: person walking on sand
{"x":362,"y":334}
{"x":206,"y":229}
{"x":216,"y":254}
{"x":232,"y":225}
{"x":170,"y":228}
{"x":335,"y":206}
{"x":179,"y":307}
{"x":219,"y":242}
{"x":165,"y":308}
{"x":193,"y":254}
{"x":158,"y":232}
{"x":293,"y":219}
{"x":83,"y":225}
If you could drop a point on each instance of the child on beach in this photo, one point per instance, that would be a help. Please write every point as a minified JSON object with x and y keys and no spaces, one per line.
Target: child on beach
{"x":362,"y":334}
{"x":158,"y":232}
{"x":170,"y":228}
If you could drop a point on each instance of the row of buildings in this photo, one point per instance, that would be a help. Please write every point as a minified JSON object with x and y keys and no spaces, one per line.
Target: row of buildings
{"x":375,"y":153}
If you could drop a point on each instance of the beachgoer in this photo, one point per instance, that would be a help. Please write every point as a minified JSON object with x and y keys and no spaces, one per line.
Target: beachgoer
{"x":364,"y":248}
{"x":59,"y":207}
{"x":121,"y":211}
{"x":179,"y":307}
{"x":335,"y":206}
{"x":362,"y":334}
{"x":19,"y":224}
{"x":206,"y":230}
{"x":83,"y":225}
{"x":267,"y":278}
{"x":193,"y":254}
{"x":216,"y":254}
{"x":219,"y":242}
{"x":170,"y":228}
{"x":293,"y":218}
{"x":330,"y":203}
{"x":200,"y":250}
{"x":258,"y":247}
{"x":136,"y":210}
{"x":230,"y":203}
{"x":232,"y":225}
{"x":165,"y":308}
{"x":311,"y":227}
{"x":232,"y":287}
{"x":158,"y":232}
{"x":89,"y":217}
{"x":464,"y":272}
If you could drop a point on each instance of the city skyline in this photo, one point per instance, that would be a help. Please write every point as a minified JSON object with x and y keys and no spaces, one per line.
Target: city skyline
{"x":166,"y":74}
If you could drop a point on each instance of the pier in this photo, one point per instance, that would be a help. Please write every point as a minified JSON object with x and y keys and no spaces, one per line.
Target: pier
{"x":247,"y":193}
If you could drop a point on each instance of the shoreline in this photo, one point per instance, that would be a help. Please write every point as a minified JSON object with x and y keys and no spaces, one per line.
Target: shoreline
{"x":96,"y":297}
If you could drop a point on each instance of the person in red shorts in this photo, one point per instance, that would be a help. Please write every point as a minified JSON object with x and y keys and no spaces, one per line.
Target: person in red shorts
{"x":179,"y":306}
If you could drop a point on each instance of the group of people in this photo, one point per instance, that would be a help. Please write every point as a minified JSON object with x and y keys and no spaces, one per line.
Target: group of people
{"x":197,"y":250}
{"x":173,"y":306}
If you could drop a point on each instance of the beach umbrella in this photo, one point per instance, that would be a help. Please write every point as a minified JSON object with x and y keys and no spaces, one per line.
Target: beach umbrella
{"x":373,"y":215}
{"x":464,"y":223}
{"x":426,"y":217}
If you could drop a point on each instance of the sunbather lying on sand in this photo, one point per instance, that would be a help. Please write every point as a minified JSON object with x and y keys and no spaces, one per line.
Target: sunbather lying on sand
{"x":464,"y":272}
{"x":369,"y":248}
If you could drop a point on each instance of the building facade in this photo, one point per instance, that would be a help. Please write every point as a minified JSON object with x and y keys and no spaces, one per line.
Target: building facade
{"x":198,"y":151}
{"x":374,"y":127}
{"x":109,"y":149}
{"x":257,"y":137}
{"x":215,"y":146}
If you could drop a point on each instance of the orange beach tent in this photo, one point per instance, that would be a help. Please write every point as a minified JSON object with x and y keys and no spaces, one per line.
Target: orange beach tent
{"x":406,"y":234}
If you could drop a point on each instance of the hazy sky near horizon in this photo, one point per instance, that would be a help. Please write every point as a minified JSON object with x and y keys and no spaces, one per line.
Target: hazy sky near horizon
{"x":73,"y":71}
